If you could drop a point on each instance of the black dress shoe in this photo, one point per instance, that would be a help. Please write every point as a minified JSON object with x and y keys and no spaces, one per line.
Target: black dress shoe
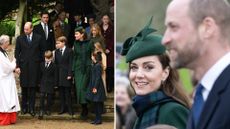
{"x":61,"y":112}
{"x":92,"y":122}
{"x":71,"y":113}
{"x":32,"y":113}
{"x":48,"y":113}
{"x":40,"y":115}
{"x":24,"y":111}
{"x":98,"y":122}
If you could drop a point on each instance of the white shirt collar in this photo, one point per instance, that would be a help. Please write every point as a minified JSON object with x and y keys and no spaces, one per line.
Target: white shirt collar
{"x":43,"y":24}
{"x":63,"y":49}
{"x":30,"y":35}
{"x":213,"y":73}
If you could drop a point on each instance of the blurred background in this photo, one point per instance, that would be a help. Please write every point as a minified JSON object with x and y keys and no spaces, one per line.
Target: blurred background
{"x":131,"y":16}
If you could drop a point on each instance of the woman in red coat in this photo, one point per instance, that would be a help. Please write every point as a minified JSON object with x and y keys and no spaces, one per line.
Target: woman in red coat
{"x":107,"y":30}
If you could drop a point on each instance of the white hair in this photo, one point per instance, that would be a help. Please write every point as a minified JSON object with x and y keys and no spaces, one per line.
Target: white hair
{"x":4,"y":39}
{"x":123,"y":81}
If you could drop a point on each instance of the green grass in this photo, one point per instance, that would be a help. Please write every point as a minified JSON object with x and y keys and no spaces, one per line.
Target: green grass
{"x":186,"y":79}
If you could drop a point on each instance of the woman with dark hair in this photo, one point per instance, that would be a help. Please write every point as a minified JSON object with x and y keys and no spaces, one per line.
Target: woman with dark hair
{"x":83,"y":49}
{"x":159,"y":98}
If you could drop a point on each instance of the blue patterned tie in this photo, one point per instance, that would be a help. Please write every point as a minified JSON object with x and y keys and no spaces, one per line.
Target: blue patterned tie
{"x":197,"y":105}
{"x":28,"y":39}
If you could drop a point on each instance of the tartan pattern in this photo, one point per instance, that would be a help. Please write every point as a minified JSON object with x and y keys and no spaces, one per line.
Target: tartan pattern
{"x":147,"y":108}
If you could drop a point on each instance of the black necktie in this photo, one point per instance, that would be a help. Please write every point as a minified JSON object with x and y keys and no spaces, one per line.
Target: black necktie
{"x":61,"y":50}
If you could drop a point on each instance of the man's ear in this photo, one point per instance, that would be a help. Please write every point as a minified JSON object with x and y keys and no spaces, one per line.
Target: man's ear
{"x":208,"y":27}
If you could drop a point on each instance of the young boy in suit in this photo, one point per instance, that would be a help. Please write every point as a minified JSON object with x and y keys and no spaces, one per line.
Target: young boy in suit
{"x":48,"y":75}
{"x":64,"y":60}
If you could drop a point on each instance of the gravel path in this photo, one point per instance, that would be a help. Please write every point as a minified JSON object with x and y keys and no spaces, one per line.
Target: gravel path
{"x":57,"y":124}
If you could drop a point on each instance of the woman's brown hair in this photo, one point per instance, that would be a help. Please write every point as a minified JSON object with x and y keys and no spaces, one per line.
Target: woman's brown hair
{"x":172,"y":86}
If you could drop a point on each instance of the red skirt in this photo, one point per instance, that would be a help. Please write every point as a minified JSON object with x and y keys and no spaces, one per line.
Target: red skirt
{"x":8,"y":118}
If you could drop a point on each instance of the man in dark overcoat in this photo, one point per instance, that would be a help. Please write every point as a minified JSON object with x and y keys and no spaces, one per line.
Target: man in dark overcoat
{"x":28,"y":54}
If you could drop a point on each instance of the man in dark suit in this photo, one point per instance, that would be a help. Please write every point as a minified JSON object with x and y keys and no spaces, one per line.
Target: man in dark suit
{"x":64,"y":61}
{"x":46,"y":32}
{"x":28,"y":54}
{"x":197,"y":37}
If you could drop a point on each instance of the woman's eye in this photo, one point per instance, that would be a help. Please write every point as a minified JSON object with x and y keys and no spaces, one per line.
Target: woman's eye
{"x":133,"y":68}
{"x":148,"y":67}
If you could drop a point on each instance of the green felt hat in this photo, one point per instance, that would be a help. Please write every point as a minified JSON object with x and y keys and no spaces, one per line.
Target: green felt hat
{"x":143,"y":44}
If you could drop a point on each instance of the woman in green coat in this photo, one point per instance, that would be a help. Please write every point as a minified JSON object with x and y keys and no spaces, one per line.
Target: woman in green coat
{"x":159,"y":96}
{"x":81,"y":66}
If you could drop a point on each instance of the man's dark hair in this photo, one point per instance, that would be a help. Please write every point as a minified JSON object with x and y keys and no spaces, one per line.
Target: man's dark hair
{"x":44,"y":12}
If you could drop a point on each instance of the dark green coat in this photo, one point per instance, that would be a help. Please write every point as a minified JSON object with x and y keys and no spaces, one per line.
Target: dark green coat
{"x":173,"y":114}
{"x":81,"y":67}
{"x":158,"y":108}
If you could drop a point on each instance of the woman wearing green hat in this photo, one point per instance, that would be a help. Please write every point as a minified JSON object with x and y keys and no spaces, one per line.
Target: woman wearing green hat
{"x":159,"y":98}
{"x":83,"y":49}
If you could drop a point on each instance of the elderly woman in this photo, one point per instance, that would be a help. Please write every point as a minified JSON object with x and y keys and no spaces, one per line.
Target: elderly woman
{"x":159,"y":97}
{"x":9,"y":104}
{"x":125,"y":112}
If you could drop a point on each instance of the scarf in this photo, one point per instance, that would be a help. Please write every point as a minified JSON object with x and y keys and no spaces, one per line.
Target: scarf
{"x":147,"y":108}
{"x":83,"y":55}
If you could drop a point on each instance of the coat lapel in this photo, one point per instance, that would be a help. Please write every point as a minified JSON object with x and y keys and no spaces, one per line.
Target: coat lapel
{"x":213,"y":98}
{"x":42,"y":30}
{"x":190,"y":122}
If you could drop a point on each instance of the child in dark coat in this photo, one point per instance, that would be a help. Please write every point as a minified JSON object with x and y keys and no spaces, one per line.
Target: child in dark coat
{"x":64,"y":61}
{"x":48,"y":75}
{"x":96,"y":90}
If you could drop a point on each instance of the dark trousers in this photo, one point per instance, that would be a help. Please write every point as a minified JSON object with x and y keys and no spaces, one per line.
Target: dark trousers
{"x":66,"y":99}
{"x":45,"y":97}
{"x":28,"y":98}
{"x":110,"y":79}
{"x":98,"y":106}
{"x":84,"y":111}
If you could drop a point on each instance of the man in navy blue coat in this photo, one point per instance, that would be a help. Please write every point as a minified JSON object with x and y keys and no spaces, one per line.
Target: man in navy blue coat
{"x":197,"y":37}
